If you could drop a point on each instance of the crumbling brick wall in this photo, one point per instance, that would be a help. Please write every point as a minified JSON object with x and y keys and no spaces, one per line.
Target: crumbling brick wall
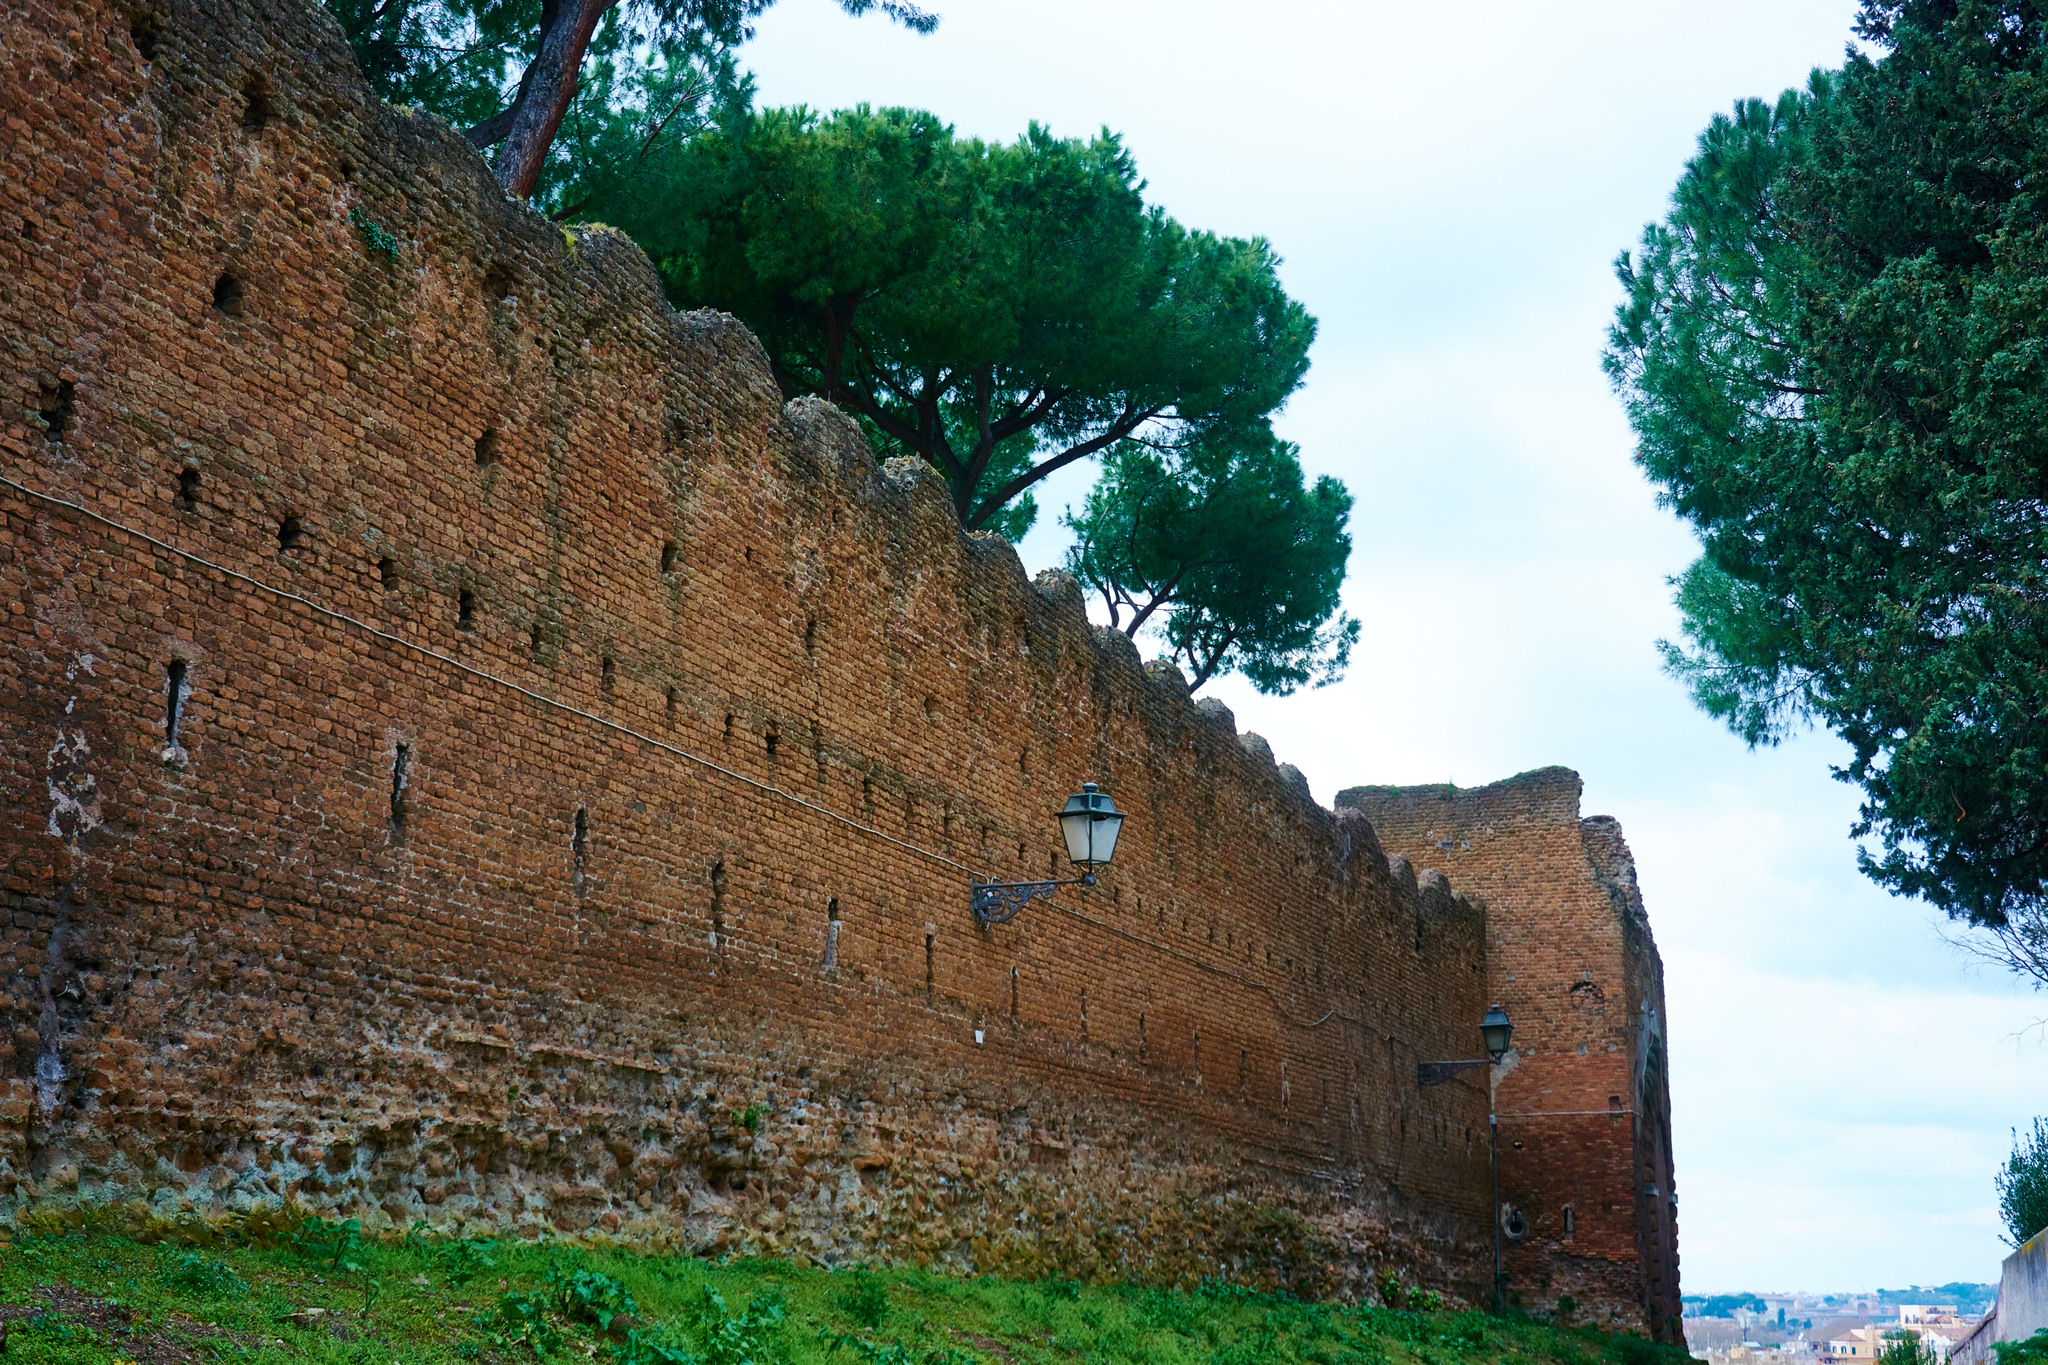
{"x":474,"y":753}
{"x":1585,"y":1105}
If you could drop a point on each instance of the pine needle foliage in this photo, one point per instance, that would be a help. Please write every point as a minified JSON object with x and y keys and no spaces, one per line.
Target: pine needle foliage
{"x":1227,"y":553}
{"x":2023,"y":1184}
{"x":999,"y":310}
{"x":1834,"y":353}
{"x":1907,"y":1348}
{"x":653,"y":73}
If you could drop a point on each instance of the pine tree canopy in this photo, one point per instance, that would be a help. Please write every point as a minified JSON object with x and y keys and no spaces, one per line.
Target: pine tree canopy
{"x":599,"y":83}
{"x":1834,"y":353}
{"x":1225,"y":550}
{"x":1000,"y":310}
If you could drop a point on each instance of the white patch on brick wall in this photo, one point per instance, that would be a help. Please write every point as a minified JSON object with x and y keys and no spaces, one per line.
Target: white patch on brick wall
{"x":49,"y":1078}
{"x":74,"y":792}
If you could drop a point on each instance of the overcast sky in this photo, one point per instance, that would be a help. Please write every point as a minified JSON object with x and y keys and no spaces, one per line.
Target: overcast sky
{"x":1448,"y":186}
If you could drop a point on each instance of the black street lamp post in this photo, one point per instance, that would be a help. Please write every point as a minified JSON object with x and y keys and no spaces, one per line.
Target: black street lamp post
{"x":1090,"y":823}
{"x":1494,"y":1033}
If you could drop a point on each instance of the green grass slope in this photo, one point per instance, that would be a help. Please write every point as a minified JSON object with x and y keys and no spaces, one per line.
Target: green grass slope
{"x":321,"y":1292}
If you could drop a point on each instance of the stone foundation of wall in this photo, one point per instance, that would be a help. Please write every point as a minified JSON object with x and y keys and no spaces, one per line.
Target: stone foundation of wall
{"x":473,"y":753}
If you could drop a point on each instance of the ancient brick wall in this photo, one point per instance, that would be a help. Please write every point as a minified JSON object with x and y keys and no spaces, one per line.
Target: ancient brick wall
{"x":1584,"y":1101}
{"x":475,"y":754}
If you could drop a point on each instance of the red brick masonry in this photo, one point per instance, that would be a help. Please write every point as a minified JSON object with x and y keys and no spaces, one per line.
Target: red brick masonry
{"x":1585,"y":1126}
{"x":478,"y":755}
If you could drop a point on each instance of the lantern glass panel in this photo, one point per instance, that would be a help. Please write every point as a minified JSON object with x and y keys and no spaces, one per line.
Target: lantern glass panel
{"x":1074,"y":825}
{"x":1090,"y":824}
{"x":1107,"y":827}
{"x":1495,"y":1031}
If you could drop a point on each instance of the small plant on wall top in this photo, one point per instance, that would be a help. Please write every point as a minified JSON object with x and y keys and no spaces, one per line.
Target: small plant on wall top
{"x":2023,"y":1184}
{"x":375,"y":239}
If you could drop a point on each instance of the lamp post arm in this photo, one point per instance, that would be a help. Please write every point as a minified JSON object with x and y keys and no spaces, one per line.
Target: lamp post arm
{"x":1437,"y":1073}
{"x":998,"y":902}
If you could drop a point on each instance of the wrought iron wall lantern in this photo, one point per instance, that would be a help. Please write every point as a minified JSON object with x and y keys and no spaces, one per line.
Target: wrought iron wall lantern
{"x":1090,"y":823}
{"x":1494,"y":1033}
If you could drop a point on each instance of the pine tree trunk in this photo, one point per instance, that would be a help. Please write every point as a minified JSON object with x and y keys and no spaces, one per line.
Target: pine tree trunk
{"x":539,"y":114}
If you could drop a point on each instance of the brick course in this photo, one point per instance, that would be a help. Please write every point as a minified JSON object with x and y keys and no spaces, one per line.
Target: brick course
{"x":550,"y":699}
{"x":1585,"y":1106}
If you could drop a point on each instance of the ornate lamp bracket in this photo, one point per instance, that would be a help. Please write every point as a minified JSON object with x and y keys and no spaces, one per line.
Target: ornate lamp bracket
{"x":998,"y":902}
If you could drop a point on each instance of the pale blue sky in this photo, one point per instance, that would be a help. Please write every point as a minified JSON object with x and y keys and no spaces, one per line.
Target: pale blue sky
{"x":1448,"y":186}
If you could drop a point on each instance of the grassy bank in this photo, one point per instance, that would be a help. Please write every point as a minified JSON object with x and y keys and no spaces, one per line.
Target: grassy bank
{"x":322,"y":1293}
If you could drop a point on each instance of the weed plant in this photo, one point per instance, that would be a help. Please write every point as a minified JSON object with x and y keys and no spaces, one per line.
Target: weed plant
{"x":305,"y":1290}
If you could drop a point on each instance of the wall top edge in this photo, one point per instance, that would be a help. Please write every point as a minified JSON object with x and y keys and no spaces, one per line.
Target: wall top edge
{"x":598,"y":300}
{"x":1551,"y":791}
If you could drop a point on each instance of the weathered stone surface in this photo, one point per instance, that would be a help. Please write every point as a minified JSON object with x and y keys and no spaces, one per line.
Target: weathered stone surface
{"x":1585,"y":1111}
{"x":422,"y":910}
{"x":482,"y":757}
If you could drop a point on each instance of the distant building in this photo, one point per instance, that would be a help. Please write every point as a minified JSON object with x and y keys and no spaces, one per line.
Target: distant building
{"x":1938,"y":1327}
{"x":1751,"y":1353}
{"x":1833,"y":1325}
{"x":1712,"y":1334}
{"x":1946,"y":1337}
{"x":1858,"y":1343}
{"x":1825,"y":1330}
